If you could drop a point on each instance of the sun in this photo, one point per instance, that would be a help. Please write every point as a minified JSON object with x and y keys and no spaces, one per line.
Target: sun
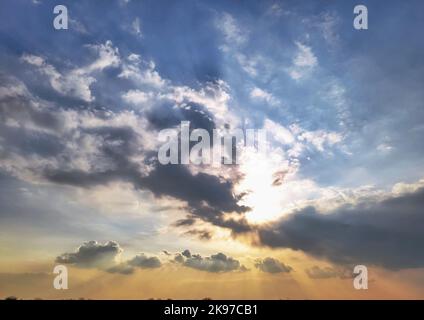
{"x":263,"y":197}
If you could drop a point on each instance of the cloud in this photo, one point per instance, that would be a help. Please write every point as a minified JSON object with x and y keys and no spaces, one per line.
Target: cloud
{"x":144,"y":262}
{"x":18,"y":109}
{"x":279,"y":132}
{"x":78,"y":26}
{"x":303,"y":62}
{"x":271,"y":265}
{"x":122,"y":268}
{"x":262,"y":95}
{"x":108,"y":56}
{"x":103,"y":147}
{"x":201,"y":234}
{"x":92,"y":254}
{"x":326,"y":24}
{"x":186,"y":253}
{"x":233,"y":34}
{"x":304,"y":56}
{"x":320,"y":138}
{"x":298,"y":139}
{"x":137,"y":97}
{"x":384,"y":232}
{"x":140,"y":261}
{"x":317,"y":272}
{"x":216,"y":263}
{"x":208,"y":196}
{"x":76,"y":82}
{"x":213,"y":96}
{"x":141,"y":72}
{"x":136,"y":27}
{"x":329,"y":24}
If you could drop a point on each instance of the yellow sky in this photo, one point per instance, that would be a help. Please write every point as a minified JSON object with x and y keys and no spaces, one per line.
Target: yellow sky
{"x":31,"y":279}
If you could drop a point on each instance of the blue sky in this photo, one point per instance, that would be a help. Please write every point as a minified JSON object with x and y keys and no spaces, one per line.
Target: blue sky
{"x":380,"y":66}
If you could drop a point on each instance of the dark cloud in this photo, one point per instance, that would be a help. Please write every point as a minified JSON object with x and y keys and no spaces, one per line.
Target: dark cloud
{"x":387,"y":233}
{"x":115,"y":140}
{"x":201,"y":234}
{"x":92,"y":254}
{"x":139,"y":261}
{"x":26,"y":125}
{"x":278,"y":178}
{"x":208,"y":196}
{"x":144,"y":262}
{"x":17,"y":104}
{"x":186,"y":253}
{"x":169,"y":115}
{"x":179,"y":258}
{"x":121,"y":268}
{"x":177,"y":181}
{"x":185,"y":222}
{"x":43,"y":131}
{"x":271,"y":265}
{"x":29,"y":142}
{"x":317,"y":272}
{"x":216,"y":263}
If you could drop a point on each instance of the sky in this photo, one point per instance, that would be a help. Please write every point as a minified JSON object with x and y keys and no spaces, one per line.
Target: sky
{"x":341,"y":183}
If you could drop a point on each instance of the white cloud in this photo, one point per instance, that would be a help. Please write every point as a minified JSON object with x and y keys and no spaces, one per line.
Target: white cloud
{"x":320,"y":138}
{"x":259,"y":94}
{"x":136,"y":27}
{"x":334,"y":93}
{"x":304,"y":57}
{"x":32,"y":59}
{"x":249,"y":65}
{"x":78,"y":26}
{"x":76,"y":82}
{"x":384,"y":147}
{"x":108,"y":57}
{"x":214,"y":96}
{"x":11,"y":90}
{"x":328,"y":26}
{"x":141,"y":72}
{"x":278,"y":132}
{"x":403,"y":188}
{"x":233,"y":34}
{"x":137,"y":97}
{"x":303,"y":62}
{"x":298,"y":138}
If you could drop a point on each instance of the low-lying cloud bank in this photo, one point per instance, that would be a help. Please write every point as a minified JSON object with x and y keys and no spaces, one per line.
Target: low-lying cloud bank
{"x":387,"y":233}
{"x":215,"y":263}
{"x":271,"y":265}
{"x":92,"y":254}
{"x":317,"y":272}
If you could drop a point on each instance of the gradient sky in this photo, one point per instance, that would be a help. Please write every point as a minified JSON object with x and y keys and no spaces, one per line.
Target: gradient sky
{"x":342,"y":183}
